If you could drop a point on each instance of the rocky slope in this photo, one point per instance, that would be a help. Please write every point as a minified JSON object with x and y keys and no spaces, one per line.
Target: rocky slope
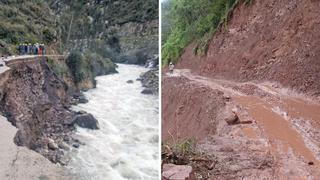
{"x":37,"y":102}
{"x":123,"y":31}
{"x":266,"y":41}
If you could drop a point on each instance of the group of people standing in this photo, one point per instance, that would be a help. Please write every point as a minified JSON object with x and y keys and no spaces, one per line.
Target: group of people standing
{"x":32,"y":49}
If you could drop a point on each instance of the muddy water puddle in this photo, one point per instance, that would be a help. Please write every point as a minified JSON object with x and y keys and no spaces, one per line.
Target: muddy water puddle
{"x":302,"y":109}
{"x":276,"y":127}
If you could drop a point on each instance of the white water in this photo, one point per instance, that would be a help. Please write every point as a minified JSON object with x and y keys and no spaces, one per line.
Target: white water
{"x":126,"y":146}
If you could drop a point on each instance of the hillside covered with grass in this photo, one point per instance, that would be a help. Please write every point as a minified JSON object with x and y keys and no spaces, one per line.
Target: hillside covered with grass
{"x":27,"y":21}
{"x":94,"y":33}
{"x":186,"y":21}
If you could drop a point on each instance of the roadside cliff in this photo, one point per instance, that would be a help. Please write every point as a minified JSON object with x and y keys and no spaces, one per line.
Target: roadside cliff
{"x":37,"y":102}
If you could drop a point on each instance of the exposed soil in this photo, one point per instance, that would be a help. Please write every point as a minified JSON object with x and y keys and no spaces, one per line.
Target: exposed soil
{"x":188,"y":110}
{"x":269,"y":40}
{"x":276,"y":136}
{"x":36,"y":101}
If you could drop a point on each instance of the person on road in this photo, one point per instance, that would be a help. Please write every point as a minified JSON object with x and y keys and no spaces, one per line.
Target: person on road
{"x":40,"y":49}
{"x":29,"y":48}
{"x":43,"y":49}
{"x":20,"y":49}
{"x":171,"y":67}
{"x":25,"y":49}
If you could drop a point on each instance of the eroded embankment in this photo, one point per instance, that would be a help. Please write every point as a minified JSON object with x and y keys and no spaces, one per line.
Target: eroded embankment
{"x":274,"y":136}
{"x":189,"y":111}
{"x":36,"y":101}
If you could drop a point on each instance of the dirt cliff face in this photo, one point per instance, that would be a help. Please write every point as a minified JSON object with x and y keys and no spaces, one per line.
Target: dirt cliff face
{"x":268,"y":40}
{"x":35,"y":101}
{"x":189,"y":111}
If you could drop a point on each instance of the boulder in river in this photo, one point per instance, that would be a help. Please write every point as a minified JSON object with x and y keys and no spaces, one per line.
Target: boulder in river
{"x":86,"y":121}
{"x":147,"y":91}
{"x":80,"y":98}
{"x":130,"y":81}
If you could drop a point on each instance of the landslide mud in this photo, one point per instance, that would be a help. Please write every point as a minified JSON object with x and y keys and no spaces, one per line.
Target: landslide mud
{"x":276,"y":127}
{"x":269,"y":40}
{"x":276,"y":138}
{"x":188,"y":110}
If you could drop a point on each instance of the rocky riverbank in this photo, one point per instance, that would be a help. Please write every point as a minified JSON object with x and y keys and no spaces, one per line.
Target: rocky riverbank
{"x":37,"y":102}
{"x":150,"y":79}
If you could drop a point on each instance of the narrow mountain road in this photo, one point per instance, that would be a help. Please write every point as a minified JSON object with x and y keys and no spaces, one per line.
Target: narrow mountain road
{"x":11,"y":59}
{"x":288,"y":121}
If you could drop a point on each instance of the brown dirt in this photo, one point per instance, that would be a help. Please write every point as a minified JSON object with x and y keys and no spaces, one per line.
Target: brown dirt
{"x":188,"y":110}
{"x":270,"y":40}
{"x":280,"y":142}
{"x":266,"y":61}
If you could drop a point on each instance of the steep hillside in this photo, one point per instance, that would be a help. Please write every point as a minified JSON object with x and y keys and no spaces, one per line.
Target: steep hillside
{"x":110,"y":28}
{"x":267,"y":41}
{"x":25,"y":22}
{"x":260,"y":67}
{"x":120,"y":30}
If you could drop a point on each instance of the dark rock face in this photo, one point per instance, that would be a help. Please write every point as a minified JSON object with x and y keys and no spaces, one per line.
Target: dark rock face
{"x":152,"y":62}
{"x":86,"y":121}
{"x":150,"y":80}
{"x":130,"y":82}
{"x":140,"y":57}
{"x":36,"y":101}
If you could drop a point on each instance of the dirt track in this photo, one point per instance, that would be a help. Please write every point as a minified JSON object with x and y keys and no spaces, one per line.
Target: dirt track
{"x":282,"y":141}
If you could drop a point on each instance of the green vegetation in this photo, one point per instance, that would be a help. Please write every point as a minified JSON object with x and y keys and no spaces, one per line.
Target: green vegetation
{"x":88,"y":66}
{"x":179,"y":152}
{"x":25,"y":21}
{"x":76,"y":63}
{"x":94,"y":19}
{"x":185,"y":148}
{"x":191,"y":20}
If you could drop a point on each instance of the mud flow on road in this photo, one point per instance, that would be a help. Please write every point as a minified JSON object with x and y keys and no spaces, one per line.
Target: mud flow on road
{"x":277,"y":135}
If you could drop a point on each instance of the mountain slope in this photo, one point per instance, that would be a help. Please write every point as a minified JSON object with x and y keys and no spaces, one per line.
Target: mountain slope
{"x":268,"y":41}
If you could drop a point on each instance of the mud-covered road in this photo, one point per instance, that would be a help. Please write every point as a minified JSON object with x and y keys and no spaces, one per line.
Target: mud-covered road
{"x":281,"y":142}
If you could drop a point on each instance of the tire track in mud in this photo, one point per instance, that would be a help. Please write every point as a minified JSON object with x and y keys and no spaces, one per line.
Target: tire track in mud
{"x":289,"y":121}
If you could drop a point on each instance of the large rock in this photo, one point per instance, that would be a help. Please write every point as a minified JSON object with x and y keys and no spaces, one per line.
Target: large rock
{"x":232,"y":118}
{"x":52,"y":145}
{"x":147,"y":91}
{"x":177,"y":172}
{"x":130,"y":81}
{"x":86,"y":121}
